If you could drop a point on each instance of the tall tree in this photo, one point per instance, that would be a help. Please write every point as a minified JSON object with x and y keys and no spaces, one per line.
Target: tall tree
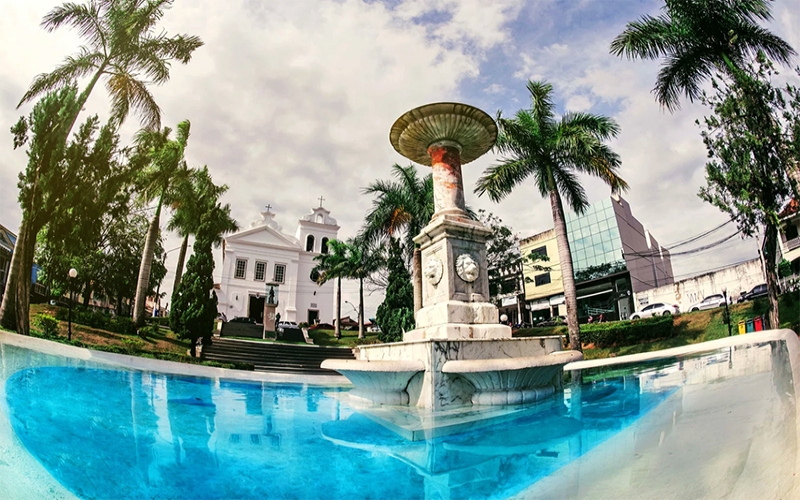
{"x":401,"y":209}
{"x":165,"y":168}
{"x":749,"y":144}
{"x":552,"y":151}
{"x":697,"y":38}
{"x":194,"y":307}
{"x":333,"y":265}
{"x":42,"y":186}
{"x":124,"y":46}
{"x":77,"y":230}
{"x":193,"y":197}
{"x":396,"y":313}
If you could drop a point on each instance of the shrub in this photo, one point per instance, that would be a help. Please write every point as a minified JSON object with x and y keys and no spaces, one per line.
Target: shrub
{"x":396,"y":314}
{"x":627,"y":332}
{"x":101,"y":320}
{"x":47,"y":324}
{"x":159,"y":321}
{"x":148,"y":331}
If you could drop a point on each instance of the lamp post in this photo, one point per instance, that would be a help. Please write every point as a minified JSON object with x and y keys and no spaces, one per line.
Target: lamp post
{"x":727,"y":311}
{"x":73,"y":273}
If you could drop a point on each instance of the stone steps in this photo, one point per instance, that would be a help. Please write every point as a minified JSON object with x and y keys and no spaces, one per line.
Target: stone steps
{"x":271,"y":357}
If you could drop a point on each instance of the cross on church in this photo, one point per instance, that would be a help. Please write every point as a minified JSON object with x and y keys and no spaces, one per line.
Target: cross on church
{"x":268,"y":207}
{"x":321,"y":199}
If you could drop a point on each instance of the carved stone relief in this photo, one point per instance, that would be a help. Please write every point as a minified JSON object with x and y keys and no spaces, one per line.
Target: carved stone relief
{"x":466,"y":268}
{"x":433,"y":270}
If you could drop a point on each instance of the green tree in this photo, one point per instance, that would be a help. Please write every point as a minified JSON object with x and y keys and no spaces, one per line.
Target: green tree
{"x":748,"y":146}
{"x":193,"y":197}
{"x":78,"y":228}
{"x":165,"y":168}
{"x":502,"y":253}
{"x":697,"y":38}
{"x":333,"y":265}
{"x":534,"y":143}
{"x":401,"y":209}
{"x":42,"y":186}
{"x":396,"y":313}
{"x":194,"y":307}
{"x":124,"y":46}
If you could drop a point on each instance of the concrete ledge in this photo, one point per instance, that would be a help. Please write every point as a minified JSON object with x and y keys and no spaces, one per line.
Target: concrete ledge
{"x":157,"y":365}
{"x":508,"y":364}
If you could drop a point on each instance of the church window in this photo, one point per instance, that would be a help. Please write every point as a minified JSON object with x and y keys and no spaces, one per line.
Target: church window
{"x":241,"y":269}
{"x":324,"y":245}
{"x":280,"y":273}
{"x":310,"y":243}
{"x":261,"y":271}
{"x":320,"y":218}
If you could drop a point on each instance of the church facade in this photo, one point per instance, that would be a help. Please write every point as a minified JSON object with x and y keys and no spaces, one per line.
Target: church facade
{"x":263,"y":254}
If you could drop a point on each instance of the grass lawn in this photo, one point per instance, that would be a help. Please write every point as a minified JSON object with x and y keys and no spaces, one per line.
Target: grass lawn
{"x":163,"y":345}
{"x":692,"y":328}
{"x":349,"y":338}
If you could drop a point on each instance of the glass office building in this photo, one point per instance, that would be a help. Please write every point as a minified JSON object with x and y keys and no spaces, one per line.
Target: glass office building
{"x":595,"y":242}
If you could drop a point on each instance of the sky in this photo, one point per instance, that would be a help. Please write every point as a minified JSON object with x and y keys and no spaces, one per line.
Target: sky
{"x":290,"y":101}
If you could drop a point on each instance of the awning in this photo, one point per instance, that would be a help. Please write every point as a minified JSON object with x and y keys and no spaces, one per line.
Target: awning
{"x":595,"y":294}
{"x":538,"y":306}
{"x":557,"y":300}
{"x":508,"y":301}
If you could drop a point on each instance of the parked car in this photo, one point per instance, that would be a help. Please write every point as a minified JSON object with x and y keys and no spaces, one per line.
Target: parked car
{"x":286,"y":324}
{"x":756,"y":292}
{"x":709,"y":302}
{"x":657,"y":309}
{"x":555,"y":321}
{"x":374,"y":329}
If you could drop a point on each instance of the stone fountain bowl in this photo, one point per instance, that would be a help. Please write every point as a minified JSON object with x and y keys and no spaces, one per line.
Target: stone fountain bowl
{"x":474,"y":131}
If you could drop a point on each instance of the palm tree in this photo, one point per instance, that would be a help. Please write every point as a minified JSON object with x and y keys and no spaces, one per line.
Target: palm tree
{"x":124,"y":46}
{"x":166,"y":169}
{"x":363,"y":259}
{"x":695,"y":38}
{"x":534,"y":143}
{"x":404,"y":206}
{"x":192,"y":199}
{"x":332,"y":265}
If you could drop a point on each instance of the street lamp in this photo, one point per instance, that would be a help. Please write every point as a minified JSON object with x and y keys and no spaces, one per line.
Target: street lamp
{"x":727,"y":311}
{"x":73,"y":273}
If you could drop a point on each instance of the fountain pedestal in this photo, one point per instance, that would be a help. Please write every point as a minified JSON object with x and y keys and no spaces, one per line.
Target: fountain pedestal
{"x":461,"y":354}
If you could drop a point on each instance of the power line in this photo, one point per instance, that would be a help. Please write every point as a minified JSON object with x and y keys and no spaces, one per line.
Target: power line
{"x":697,"y":237}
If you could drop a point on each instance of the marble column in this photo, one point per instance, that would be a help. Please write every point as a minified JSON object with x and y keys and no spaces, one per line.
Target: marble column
{"x":448,"y":185}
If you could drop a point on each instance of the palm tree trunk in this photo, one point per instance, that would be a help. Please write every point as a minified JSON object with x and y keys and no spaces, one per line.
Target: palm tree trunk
{"x":361,"y":308}
{"x":144,"y":269}
{"x":567,"y":275}
{"x":417,"y":264}
{"x":8,"y":310}
{"x":337,"y":329}
{"x":179,"y":270}
{"x":770,"y":249}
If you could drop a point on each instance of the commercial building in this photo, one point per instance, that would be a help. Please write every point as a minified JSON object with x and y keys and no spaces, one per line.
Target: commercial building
{"x":613,"y":257}
{"x":790,"y":234}
{"x":262,"y":253}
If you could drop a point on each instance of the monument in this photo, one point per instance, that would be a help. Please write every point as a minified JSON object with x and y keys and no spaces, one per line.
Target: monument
{"x":458,"y":354}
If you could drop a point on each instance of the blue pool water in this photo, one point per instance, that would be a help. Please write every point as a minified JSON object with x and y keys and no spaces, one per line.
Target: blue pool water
{"x":126,"y":434}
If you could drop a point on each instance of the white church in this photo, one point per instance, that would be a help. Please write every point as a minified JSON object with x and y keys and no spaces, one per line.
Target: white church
{"x":262,"y":254}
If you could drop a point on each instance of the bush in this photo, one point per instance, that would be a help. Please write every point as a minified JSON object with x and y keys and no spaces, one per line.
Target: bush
{"x":148,"y":331}
{"x":627,"y":332}
{"x":47,"y":324}
{"x":159,"y":321}
{"x":100,"y":320}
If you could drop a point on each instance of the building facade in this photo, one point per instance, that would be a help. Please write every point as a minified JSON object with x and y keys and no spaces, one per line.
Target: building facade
{"x":613,"y":257}
{"x":789,"y":238}
{"x":262,"y":254}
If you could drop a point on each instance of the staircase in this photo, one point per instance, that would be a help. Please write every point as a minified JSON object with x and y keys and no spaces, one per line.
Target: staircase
{"x":273,"y":357}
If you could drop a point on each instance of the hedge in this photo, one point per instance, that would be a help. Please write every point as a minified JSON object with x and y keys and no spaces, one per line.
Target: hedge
{"x":103,"y":321}
{"x":627,"y":332}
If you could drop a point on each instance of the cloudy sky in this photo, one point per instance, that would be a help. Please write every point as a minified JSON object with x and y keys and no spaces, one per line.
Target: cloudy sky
{"x":293,"y":100}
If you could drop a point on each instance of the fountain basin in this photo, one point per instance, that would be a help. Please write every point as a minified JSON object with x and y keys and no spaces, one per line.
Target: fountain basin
{"x":510,"y":381}
{"x":381,"y":382}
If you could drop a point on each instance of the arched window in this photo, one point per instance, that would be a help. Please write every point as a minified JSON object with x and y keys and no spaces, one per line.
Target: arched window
{"x":310,"y":243}
{"x":324,"y":245}
{"x":320,"y":218}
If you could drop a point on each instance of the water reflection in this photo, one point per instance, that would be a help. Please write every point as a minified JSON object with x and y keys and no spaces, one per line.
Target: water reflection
{"x":108,"y":434}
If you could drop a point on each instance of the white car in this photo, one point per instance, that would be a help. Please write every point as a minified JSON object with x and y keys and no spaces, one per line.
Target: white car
{"x":657,"y":309}
{"x":709,"y":302}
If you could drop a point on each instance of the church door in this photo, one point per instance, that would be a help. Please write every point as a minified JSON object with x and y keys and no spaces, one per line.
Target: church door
{"x":256,"y":309}
{"x":313,"y":316}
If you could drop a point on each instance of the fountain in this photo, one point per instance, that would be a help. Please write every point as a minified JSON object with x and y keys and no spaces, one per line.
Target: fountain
{"x":459,"y":354}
